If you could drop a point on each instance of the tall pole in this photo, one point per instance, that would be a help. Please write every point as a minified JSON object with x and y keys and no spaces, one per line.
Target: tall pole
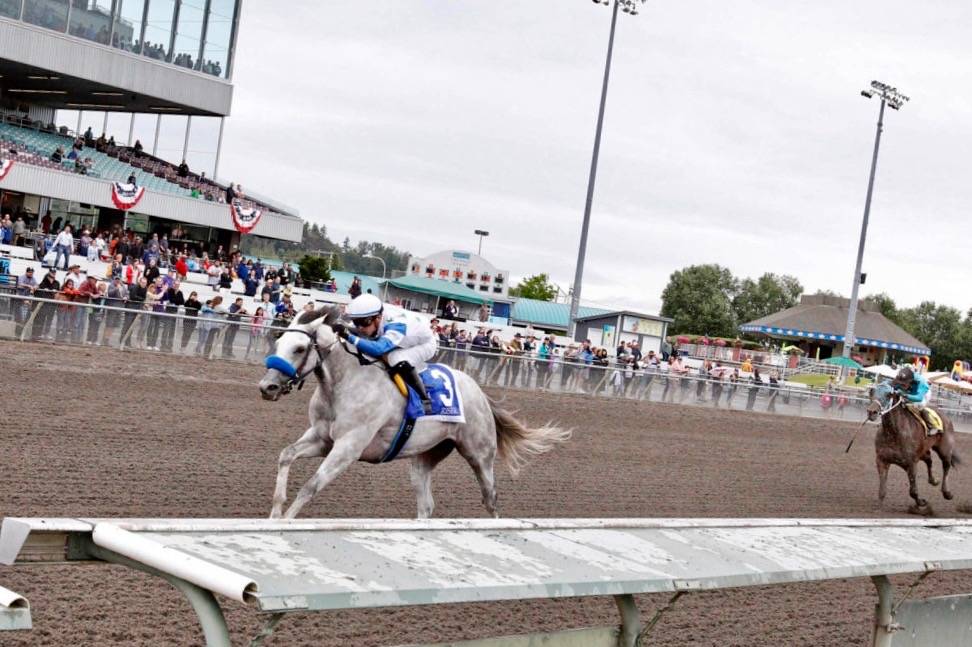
{"x":131,"y":129}
{"x":155,"y":144}
{"x":582,"y":251}
{"x":219,"y":148}
{"x":849,"y":338}
{"x":185,"y":143}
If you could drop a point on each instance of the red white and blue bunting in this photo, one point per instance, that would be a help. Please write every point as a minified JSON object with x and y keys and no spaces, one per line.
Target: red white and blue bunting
{"x":126,"y":196}
{"x":244,"y":219}
{"x":5,"y":166}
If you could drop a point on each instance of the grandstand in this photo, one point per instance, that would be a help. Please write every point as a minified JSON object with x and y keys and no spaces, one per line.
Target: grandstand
{"x":159,"y":58}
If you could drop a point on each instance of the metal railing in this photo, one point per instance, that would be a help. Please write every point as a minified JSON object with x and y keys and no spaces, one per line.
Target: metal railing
{"x":132,"y":326}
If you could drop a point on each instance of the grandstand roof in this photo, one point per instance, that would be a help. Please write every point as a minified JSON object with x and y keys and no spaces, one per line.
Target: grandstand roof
{"x":439,"y":288}
{"x":549,"y":314}
{"x":825,"y":319}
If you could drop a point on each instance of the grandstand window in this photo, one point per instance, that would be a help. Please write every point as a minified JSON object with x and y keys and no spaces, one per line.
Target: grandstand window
{"x":158,"y":30}
{"x":91,"y":20}
{"x":127,"y":34}
{"x":50,"y":14}
{"x":189,"y":33}
{"x":219,"y":33}
{"x":10,"y":8}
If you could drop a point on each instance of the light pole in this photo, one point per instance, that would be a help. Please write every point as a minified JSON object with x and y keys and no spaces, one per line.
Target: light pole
{"x":628,"y":7}
{"x":895,"y":99}
{"x":482,"y":234}
{"x":384,"y":285}
{"x":377,"y":258}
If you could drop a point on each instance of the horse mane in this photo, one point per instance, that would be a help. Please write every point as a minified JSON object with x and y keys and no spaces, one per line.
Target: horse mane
{"x":330,"y":315}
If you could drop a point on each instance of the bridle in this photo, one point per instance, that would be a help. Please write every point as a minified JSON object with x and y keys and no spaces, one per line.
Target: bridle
{"x":297,"y":374}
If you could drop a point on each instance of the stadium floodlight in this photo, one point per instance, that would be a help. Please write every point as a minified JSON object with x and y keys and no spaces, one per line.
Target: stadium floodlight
{"x":482,"y":234}
{"x":889,"y":96}
{"x":629,"y":7}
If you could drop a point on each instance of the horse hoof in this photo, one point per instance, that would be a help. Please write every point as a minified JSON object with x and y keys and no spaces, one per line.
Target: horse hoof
{"x":948,"y":495}
{"x":933,"y":481}
{"x":922,"y":509}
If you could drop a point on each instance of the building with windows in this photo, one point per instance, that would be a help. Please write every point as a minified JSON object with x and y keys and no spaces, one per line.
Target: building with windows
{"x":132,"y":58}
{"x":463,"y":268}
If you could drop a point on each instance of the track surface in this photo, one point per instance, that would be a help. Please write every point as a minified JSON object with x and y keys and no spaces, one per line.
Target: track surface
{"x":105,"y":433}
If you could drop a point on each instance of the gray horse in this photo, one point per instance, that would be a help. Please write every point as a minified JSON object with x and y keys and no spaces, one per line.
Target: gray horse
{"x":356,"y":412}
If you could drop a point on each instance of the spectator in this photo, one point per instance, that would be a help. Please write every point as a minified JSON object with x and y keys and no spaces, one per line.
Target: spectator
{"x":65,"y":311}
{"x":484,"y":312}
{"x":733,"y":385}
{"x":46,"y":223}
{"x":173,"y":300}
{"x":236,"y":310}
{"x":181,"y":267}
{"x":116,"y":297}
{"x":137,"y":147}
{"x":136,"y":300}
{"x":225,"y":279}
{"x":152,"y":271}
{"x":774,"y":390}
{"x":183,"y":169}
{"x":47,"y":289}
{"x":153,"y":303}
{"x":451,"y":310}
{"x":19,"y":231}
{"x":63,"y":245}
{"x":355,"y":290}
{"x":192,"y":307}
{"x":256,"y":332}
{"x":757,"y":382}
{"x":26,"y":286}
{"x":230,"y":194}
{"x":88,"y":291}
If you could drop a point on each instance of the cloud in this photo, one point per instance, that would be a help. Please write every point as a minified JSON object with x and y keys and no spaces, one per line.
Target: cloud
{"x":734,"y":134}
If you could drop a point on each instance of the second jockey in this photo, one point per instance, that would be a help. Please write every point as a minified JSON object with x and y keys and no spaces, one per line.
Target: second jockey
{"x":401,"y":337}
{"x":914,"y":388}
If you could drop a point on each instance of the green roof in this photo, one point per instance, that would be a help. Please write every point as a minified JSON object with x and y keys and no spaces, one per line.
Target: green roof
{"x":549,"y":314}
{"x":843,"y":361}
{"x":439,"y":288}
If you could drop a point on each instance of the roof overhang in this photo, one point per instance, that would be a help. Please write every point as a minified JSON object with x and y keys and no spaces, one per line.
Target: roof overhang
{"x":42,"y":67}
{"x":813,"y":335}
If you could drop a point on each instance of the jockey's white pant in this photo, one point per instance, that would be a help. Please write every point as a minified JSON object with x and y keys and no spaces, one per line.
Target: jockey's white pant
{"x":417,"y":356}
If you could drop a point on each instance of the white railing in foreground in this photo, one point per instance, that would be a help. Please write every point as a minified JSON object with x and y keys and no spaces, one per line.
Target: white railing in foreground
{"x":395,"y":563}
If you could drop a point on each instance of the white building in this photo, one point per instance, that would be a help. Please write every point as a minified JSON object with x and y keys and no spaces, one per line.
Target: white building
{"x":466,"y":268}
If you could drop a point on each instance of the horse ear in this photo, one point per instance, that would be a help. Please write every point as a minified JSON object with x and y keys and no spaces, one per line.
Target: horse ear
{"x":870,"y":392}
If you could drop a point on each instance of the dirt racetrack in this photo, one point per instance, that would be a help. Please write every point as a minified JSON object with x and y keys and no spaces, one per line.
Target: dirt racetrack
{"x":106,"y":433}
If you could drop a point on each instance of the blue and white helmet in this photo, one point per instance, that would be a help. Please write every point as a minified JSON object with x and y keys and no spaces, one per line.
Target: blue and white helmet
{"x":364,"y":306}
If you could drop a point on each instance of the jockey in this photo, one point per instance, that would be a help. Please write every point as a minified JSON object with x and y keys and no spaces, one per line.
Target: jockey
{"x":914,"y":388}
{"x":402,"y":338}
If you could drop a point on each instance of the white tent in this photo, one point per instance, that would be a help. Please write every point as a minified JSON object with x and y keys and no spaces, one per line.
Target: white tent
{"x":881,"y":369}
{"x":955,"y":385}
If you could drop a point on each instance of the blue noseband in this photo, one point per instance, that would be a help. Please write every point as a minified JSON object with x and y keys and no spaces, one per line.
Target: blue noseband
{"x":279,"y":363}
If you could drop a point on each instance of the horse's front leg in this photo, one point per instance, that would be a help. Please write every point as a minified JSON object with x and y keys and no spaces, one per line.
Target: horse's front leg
{"x":308,"y":445}
{"x":927,"y":459}
{"x":346,"y":450}
{"x":882,"y":469}
{"x":913,"y":486}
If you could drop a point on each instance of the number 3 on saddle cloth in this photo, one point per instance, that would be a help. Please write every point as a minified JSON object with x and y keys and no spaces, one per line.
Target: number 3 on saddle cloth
{"x":440,"y":382}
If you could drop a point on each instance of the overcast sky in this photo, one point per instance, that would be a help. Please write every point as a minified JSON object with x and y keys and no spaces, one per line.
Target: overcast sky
{"x":734,"y":134}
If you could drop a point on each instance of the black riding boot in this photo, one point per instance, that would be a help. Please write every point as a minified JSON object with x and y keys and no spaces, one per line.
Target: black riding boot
{"x":412,"y":378}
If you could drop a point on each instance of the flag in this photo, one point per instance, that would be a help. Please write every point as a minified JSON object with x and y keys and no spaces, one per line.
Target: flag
{"x":244,"y":219}
{"x":126,"y":196}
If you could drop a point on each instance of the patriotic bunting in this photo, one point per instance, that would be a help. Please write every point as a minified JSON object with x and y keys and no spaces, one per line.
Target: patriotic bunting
{"x":5,"y":166}
{"x":244,"y":219}
{"x":126,"y":196}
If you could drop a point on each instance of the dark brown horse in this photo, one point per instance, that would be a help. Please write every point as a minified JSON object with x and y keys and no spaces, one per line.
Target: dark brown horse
{"x":903,"y":441}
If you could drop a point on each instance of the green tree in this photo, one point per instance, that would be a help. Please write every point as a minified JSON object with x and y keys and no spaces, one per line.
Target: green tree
{"x":699,"y":299}
{"x":883,"y":302}
{"x":315,"y":268}
{"x":535,"y":287}
{"x":764,"y":296}
{"x":942,"y":329}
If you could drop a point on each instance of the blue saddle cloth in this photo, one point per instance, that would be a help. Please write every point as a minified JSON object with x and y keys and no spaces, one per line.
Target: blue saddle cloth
{"x":440,"y":382}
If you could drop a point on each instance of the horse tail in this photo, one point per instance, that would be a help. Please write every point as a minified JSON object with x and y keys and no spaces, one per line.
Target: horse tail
{"x":517,"y":443}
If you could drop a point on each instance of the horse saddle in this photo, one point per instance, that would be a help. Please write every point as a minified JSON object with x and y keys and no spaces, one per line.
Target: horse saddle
{"x":929,"y":419}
